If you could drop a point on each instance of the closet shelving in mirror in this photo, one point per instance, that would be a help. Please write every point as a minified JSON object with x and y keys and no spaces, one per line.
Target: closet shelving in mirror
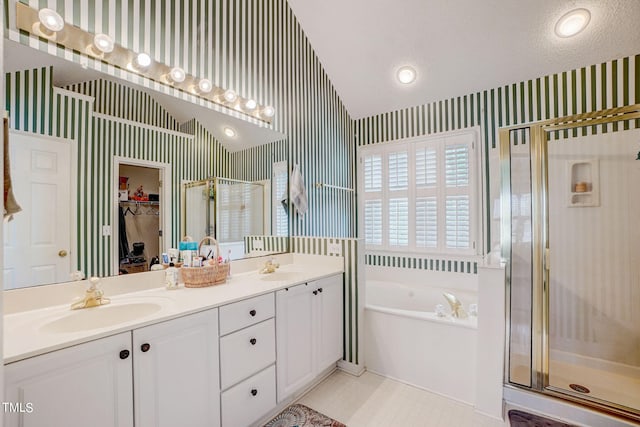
{"x":84,"y":42}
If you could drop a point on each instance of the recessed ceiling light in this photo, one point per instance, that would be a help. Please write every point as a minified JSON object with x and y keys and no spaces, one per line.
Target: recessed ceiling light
{"x":205,"y":85}
{"x":230,"y":95}
{"x":571,"y":23}
{"x":229,"y":132}
{"x":406,"y":75}
{"x":103,"y":43}
{"x":51,"y":20}
{"x":177,"y":74}
{"x":143,"y":60}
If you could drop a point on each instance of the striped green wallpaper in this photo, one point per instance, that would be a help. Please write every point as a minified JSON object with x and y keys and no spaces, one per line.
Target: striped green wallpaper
{"x":118,"y":100}
{"x":611,"y":84}
{"x":253,"y":46}
{"x":36,"y":106}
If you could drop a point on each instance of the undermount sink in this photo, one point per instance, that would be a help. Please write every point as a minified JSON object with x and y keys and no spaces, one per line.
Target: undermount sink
{"x":100,"y":317}
{"x":278,"y":276}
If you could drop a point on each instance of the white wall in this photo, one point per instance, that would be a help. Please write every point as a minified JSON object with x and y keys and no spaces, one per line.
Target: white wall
{"x":594,"y":268}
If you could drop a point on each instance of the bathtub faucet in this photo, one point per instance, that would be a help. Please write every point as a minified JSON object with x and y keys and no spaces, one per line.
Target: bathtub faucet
{"x":456,"y":306}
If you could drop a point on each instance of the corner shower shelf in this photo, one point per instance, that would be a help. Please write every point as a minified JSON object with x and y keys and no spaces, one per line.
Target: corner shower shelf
{"x":583,"y":173}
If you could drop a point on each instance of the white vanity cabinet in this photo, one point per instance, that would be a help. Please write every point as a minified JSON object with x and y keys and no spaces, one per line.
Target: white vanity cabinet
{"x":170,"y":372}
{"x":247,"y":360}
{"x":309,"y":332}
{"x":87,"y":384}
{"x":176,"y":377}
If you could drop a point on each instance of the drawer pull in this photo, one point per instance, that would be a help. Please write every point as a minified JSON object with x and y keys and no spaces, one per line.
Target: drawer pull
{"x":253,"y":341}
{"x":319,"y":289}
{"x":254,"y":392}
{"x":145,"y":347}
{"x":124,"y":354}
{"x":252,"y":313}
{"x":315,"y":292}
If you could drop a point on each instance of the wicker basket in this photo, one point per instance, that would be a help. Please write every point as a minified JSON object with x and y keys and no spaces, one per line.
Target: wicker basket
{"x":209,"y":275}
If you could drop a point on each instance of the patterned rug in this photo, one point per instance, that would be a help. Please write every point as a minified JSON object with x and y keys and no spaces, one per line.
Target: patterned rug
{"x":525,"y":419}
{"x":302,"y":416}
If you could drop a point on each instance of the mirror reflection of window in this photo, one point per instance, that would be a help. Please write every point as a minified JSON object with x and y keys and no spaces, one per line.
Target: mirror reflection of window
{"x":280,"y":199}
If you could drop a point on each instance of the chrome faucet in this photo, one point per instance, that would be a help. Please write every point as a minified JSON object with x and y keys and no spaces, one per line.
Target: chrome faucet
{"x":93,"y":297}
{"x":457,"y":310}
{"x":269,"y":267}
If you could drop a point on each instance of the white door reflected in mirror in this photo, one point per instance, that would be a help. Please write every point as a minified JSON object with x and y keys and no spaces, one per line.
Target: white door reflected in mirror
{"x":37,"y":241}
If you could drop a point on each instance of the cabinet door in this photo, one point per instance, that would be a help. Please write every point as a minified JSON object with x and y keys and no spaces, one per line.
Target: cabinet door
{"x":329,"y":321}
{"x":176,"y":378}
{"x":294,"y":335}
{"x":87,"y":384}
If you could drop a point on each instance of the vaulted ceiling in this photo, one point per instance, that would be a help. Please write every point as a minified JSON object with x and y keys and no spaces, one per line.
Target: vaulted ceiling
{"x":457,"y":46}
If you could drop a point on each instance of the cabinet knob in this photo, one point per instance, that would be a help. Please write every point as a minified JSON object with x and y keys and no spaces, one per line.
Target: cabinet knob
{"x":253,"y":341}
{"x":315,"y":292}
{"x":145,"y":347}
{"x":124,"y":354}
{"x":254,"y":392}
{"x":252,"y":313}
{"x":319,"y":289}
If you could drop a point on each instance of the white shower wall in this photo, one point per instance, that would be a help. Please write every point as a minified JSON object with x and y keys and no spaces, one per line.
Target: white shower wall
{"x":595,"y":251}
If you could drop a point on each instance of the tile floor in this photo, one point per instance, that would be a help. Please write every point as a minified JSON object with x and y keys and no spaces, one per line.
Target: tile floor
{"x":371,"y":400}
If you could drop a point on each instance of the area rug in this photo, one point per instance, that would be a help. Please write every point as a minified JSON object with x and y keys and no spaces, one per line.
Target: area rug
{"x":298,"y":415}
{"x":525,"y":419}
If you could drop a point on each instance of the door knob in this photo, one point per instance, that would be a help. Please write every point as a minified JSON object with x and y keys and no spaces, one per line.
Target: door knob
{"x":62,"y":253}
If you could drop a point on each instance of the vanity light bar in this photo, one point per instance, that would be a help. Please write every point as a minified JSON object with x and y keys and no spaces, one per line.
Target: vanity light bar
{"x":101,"y":46}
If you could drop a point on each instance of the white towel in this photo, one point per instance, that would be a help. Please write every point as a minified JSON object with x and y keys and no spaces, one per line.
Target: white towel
{"x":297,"y":191}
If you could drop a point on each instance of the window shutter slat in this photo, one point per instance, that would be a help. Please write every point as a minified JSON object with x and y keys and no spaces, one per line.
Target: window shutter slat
{"x":457,"y":165}
{"x":399,"y":222}
{"x":426,"y":222}
{"x":373,"y":173}
{"x":373,"y":222}
{"x":398,"y":171}
{"x":458,"y":224}
{"x":426,"y":167}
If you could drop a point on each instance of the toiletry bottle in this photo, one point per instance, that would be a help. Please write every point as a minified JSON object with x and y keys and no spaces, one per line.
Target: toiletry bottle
{"x":171,"y":277}
{"x":228,"y":261}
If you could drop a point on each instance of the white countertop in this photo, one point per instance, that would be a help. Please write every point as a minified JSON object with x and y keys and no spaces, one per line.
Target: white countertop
{"x":27,"y":333}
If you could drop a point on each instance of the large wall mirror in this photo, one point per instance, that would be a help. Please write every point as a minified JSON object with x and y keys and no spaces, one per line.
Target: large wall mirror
{"x":99,"y":166}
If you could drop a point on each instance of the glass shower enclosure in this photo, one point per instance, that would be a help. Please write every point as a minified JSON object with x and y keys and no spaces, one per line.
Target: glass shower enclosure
{"x":571,"y":236}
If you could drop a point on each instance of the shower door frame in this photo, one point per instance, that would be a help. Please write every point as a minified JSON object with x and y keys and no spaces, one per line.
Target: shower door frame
{"x":539,"y":360}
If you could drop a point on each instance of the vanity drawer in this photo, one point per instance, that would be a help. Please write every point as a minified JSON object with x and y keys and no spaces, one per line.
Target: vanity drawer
{"x":246,"y":352}
{"x":246,"y":313}
{"x":246,"y":402}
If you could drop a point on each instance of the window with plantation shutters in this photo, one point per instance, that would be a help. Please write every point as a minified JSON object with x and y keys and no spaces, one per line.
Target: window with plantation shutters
{"x":420,"y":195}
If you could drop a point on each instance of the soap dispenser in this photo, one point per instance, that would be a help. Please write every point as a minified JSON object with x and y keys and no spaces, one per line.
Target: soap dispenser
{"x":171,"y":277}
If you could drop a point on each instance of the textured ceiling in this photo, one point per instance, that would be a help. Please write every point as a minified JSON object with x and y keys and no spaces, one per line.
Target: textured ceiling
{"x":457,"y":46}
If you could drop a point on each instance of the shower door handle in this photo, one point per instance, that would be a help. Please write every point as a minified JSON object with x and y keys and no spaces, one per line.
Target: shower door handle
{"x":547,"y":258}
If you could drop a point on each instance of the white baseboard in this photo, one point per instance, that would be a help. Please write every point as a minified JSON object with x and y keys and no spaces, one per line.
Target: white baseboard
{"x":351,"y":368}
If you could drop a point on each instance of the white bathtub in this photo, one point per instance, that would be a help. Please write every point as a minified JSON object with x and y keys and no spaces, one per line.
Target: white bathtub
{"x":406,"y":341}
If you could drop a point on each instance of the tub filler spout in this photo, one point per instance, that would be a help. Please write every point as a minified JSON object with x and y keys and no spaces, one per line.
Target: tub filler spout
{"x":457,"y":310}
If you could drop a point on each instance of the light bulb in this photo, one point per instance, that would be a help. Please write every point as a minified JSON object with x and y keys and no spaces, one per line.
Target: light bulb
{"x":268,"y":111}
{"x":143,"y":60}
{"x":103,"y":43}
{"x":229,"y":132}
{"x":205,"y":85}
{"x":406,"y":75}
{"x":51,"y":20}
{"x":177,"y":74}
{"x":571,"y":23}
{"x":250,"y":105}
{"x":230,"y":95}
